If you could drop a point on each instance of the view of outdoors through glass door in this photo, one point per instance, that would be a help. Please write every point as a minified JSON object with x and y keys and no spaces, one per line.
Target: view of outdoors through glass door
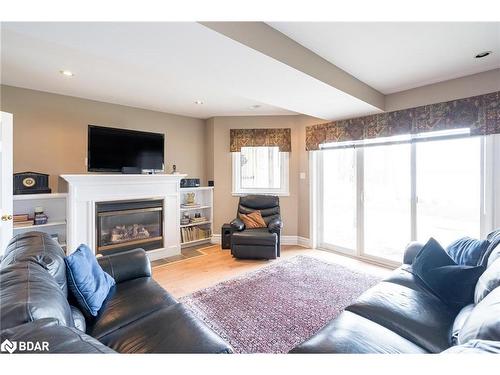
{"x":448,"y":189}
{"x":338,"y":187}
{"x":447,"y":185}
{"x":387,"y":200}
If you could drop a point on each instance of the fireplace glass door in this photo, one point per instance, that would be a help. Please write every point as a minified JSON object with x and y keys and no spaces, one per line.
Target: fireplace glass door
{"x":128,"y":225}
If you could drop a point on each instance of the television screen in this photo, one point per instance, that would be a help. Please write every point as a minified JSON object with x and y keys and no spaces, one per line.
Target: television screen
{"x":111,"y":149}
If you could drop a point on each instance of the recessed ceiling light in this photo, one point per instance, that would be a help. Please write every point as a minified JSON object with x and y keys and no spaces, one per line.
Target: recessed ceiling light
{"x":198,"y":102}
{"x":67,"y":73}
{"x":255,"y":106}
{"x":483,"y":54}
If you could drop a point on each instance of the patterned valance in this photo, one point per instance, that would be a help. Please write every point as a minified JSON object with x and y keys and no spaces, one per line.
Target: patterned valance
{"x":479,"y":113}
{"x":261,"y":137}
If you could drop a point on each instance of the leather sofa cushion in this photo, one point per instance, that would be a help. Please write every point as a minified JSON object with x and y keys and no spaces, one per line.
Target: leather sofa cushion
{"x":493,"y":251}
{"x":467,"y":251}
{"x":459,"y":322}
{"x":254,"y":237}
{"x":351,"y":333}
{"x":126,"y":265}
{"x":61,"y":339}
{"x":483,"y":322}
{"x":415,"y":315}
{"x":30,"y":293}
{"x":172,"y":329}
{"x":39,"y":248}
{"x":126,"y":302}
{"x":488,"y":281}
{"x":475,"y":347}
{"x":78,"y":318}
{"x":411,"y":251}
{"x":404,"y":277}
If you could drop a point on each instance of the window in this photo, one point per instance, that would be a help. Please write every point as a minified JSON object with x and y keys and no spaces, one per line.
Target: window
{"x":260,"y":170}
{"x":371,"y":201}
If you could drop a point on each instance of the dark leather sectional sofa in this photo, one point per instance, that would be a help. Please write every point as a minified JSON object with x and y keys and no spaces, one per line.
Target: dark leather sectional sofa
{"x":138,"y":316}
{"x":401,"y":315}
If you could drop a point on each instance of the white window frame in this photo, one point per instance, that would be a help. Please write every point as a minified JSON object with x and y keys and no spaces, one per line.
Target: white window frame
{"x":490,"y":203}
{"x":237,"y":190}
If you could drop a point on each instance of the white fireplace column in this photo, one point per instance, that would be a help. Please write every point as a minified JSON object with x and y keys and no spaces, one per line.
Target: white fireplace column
{"x":85,"y":190}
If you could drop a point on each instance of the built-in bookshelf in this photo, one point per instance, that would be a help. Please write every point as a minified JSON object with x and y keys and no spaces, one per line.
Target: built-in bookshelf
{"x":54,"y":206}
{"x":197,"y":230}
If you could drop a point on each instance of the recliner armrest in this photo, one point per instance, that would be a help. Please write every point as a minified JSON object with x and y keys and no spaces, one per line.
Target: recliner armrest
{"x":125,"y":266}
{"x":275,"y":225}
{"x":411,"y":251}
{"x":237,"y":224}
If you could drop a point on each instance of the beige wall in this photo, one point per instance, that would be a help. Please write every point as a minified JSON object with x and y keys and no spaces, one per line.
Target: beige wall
{"x":476,"y":84}
{"x":225,"y":204}
{"x":295,"y":208}
{"x":50,"y":132}
{"x":304,"y":194}
{"x":209,"y":149}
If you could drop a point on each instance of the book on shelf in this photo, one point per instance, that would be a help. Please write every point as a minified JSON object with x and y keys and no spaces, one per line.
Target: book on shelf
{"x":194,"y":233}
{"x":20,"y":217}
{"x":194,"y":220}
{"x":25,"y":223}
{"x":190,"y":205}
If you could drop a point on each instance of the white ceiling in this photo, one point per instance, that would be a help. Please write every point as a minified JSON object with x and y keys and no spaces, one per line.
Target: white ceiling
{"x":397,"y":56}
{"x":165,"y":67}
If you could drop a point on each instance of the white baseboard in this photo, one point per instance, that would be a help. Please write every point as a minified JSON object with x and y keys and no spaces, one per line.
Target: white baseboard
{"x":289,"y":240}
{"x":304,"y":241}
{"x":296,"y":240}
{"x":285,"y":240}
{"x":216,"y":239}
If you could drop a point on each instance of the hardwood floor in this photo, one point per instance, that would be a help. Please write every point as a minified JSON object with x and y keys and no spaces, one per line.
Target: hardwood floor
{"x":188,"y":275}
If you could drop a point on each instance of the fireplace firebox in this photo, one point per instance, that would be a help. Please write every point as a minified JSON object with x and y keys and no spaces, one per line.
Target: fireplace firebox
{"x":126,"y":225}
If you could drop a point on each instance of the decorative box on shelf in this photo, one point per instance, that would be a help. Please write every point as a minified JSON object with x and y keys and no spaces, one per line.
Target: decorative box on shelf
{"x":31,"y":183}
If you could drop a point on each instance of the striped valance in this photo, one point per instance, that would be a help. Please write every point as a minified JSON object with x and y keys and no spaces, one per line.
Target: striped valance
{"x":261,"y":137}
{"x":479,"y":113}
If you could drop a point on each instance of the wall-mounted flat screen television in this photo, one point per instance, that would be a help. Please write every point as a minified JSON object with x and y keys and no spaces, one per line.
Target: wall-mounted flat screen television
{"x":116,"y":150}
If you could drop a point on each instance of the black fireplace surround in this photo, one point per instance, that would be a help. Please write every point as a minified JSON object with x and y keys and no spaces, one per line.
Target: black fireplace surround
{"x":128,"y":224}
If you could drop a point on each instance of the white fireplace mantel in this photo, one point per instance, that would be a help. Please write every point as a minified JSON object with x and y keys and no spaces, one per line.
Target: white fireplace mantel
{"x":84,"y":190}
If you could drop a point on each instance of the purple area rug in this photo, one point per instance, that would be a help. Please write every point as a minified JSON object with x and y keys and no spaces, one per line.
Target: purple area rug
{"x":273,"y":309}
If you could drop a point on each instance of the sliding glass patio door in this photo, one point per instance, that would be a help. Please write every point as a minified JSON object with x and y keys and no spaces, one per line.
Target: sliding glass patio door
{"x":448,"y":185}
{"x":386,"y":200}
{"x":337,"y":190}
{"x":373,"y":200}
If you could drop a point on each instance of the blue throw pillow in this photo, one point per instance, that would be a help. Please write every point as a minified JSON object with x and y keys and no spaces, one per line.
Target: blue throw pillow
{"x":87,"y":281}
{"x":454,"y":284}
{"x":467,"y":251}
